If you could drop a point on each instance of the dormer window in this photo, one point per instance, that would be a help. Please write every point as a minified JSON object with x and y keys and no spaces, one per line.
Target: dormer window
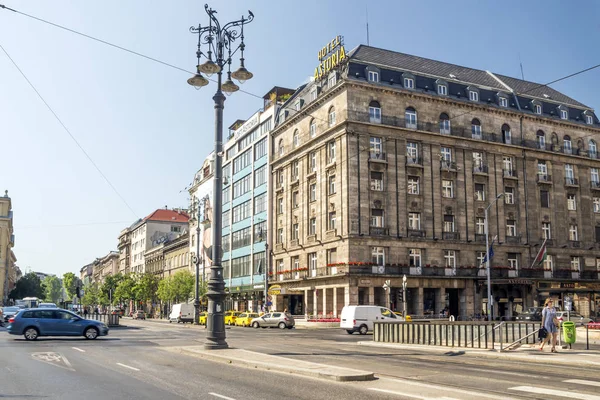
{"x":537,"y":109}
{"x":442,"y":90}
{"x":564,"y":114}
{"x":473,"y":95}
{"x":589,"y":120}
{"x":409,"y":83}
{"x":503,"y":101}
{"x":313,"y":94}
{"x":373,"y":76}
{"x":298,"y":106}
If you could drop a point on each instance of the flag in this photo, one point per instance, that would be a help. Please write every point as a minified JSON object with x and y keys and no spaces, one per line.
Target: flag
{"x":541,"y":255}
{"x":490,"y":251}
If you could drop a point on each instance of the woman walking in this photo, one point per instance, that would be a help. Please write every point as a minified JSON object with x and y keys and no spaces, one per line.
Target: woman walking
{"x":549,"y":322}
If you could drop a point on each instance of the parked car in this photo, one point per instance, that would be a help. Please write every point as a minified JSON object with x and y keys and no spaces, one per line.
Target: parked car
{"x":202,"y":318}
{"x":573,"y":317}
{"x":139,"y":314}
{"x":36,"y":322}
{"x":47,"y":305}
{"x":245,"y":319}
{"x":230,"y":317}
{"x":279,"y":320}
{"x":361,"y":318}
{"x":182,"y":312}
{"x":8,"y":312}
{"x":532,"y":314}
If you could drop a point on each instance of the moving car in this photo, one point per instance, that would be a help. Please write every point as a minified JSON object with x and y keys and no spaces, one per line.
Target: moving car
{"x":33,"y":323}
{"x":532,"y":314}
{"x":578,"y":319}
{"x":279,"y":320}
{"x":245,"y":319}
{"x":183,"y":312}
{"x":230,"y":317}
{"x":8,"y":312}
{"x":361,"y":318}
{"x":139,"y":314}
{"x":47,"y":305}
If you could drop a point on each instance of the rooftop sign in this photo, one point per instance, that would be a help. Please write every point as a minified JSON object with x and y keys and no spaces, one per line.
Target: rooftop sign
{"x":330,"y":56}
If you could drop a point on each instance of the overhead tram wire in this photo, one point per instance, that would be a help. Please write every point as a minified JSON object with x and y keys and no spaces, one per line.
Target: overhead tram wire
{"x":68,"y":131}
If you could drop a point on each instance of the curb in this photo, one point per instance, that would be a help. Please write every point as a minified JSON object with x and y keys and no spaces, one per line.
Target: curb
{"x":312,"y":370}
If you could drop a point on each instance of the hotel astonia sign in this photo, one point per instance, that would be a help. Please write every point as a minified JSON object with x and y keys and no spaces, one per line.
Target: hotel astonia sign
{"x":332,"y":55}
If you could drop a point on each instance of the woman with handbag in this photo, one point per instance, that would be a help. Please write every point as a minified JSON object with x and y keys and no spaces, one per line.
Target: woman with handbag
{"x":550,"y":323}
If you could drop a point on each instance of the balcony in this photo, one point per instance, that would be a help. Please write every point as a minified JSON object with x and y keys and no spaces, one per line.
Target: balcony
{"x":480,"y":237}
{"x":447,"y":165}
{"x":509,"y":173}
{"x":377,"y":156}
{"x":589,"y":274}
{"x":378,"y":231}
{"x":562,"y":274}
{"x":415,"y":233}
{"x":574,"y":244}
{"x":531,"y":273}
{"x":450,"y":235}
{"x":595,"y":185}
{"x":513,"y":239}
{"x":481,"y":169}
{"x":416,"y":161}
{"x":571,"y":182}
{"x":544,"y":178}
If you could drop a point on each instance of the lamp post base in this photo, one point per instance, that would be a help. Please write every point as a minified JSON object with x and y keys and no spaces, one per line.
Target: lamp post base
{"x":216,"y":345}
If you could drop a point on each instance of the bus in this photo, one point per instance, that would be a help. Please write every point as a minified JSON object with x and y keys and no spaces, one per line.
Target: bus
{"x":28,"y":302}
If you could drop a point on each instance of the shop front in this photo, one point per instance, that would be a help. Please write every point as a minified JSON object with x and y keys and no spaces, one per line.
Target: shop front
{"x":585,"y":296}
{"x":246,"y":298}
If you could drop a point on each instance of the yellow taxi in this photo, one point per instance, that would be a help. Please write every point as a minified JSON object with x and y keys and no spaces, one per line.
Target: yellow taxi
{"x":244,"y":318}
{"x":202,"y":318}
{"x":230,"y":317}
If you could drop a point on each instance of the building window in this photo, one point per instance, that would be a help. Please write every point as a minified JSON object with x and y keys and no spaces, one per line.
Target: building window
{"x":537,"y":109}
{"x":479,"y":192}
{"x":374,"y":112}
{"x":241,"y":186}
{"x":409,"y":83}
{"x":294,"y":231}
{"x":597,"y":232}
{"x":225,"y":219}
{"x":226,"y":194}
{"x":446,"y":154}
{"x":480,"y":256}
{"x":413,"y":185}
{"x":575,"y":264}
{"x":241,"y":238}
{"x":450,"y":258}
{"x":473,"y":96}
{"x":567,"y":148}
{"x":377,"y":218}
{"x":447,"y":189}
{"x":571,"y":202}
{"x":331,"y":81}
{"x":511,"y":227}
{"x":331,"y":184}
{"x":412,"y":152}
{"x":569,"y":175}
{"x":503,"y":101}
{"x":376,"y":181}
{"x":444,"y":124}
{"x":475,"y":129}
{"x":312,"y":226}
{"x":595,"y":178}
{"x":280,"y":205}
{"x":509,"y":195}
{"x":542,"y":170}
{"x":513,"y":260}
{"x":313,"y":128}
{"x":295,"y":169}
{"x":410,"y":118}
{"x":506,"y":134}
{"x":312,"y":192}
{"x":260,"y":231}
{"x":593,"y":149}
{"x":331,"y":151}
{"x":546,"y":230}
{"x":442,"y":90}
{"x":375,"y":146}
{"x":414,"y":257}
{"x":414,"y":221}
{"x":260,"y":176}
{"x":332,"y":256}
{"x":373,"y":76}
{"x":331,"y":119}
{"x":573,"y":236}
{"x":280,"y":235}
{"x":478,"y":161}
{"x":313,"y":94}
{"x":541,"y":140}
{"x":589,"y":120}
{"x":331,"y":220}
{"x":295,"y":202}
{"x":378,"y":255}
{"x":312,"y":263}
{"x":480,"y":226}
{"x":596,"y":201}
{"x":564,"y":114}
{"x":242,"y":211}
{"x":545,"y":198}
{"x":296,"y":138}
{"x":549,"y":263}
{"x":448,"y":223}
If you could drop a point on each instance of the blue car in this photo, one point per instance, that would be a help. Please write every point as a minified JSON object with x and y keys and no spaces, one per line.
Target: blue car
{"x":35,"y":322}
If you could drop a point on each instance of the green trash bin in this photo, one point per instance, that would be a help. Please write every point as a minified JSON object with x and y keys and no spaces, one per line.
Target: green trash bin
{"x":569,"y":332}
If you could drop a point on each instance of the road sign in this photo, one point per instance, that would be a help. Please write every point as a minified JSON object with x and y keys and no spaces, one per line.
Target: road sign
{"x":568,"y":303}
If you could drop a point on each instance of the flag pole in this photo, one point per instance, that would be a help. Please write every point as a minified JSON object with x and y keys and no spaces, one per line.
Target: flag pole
{"x":538,"y":253}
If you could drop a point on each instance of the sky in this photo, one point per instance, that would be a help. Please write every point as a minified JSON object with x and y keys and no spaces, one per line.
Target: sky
{"x":148,"y":131}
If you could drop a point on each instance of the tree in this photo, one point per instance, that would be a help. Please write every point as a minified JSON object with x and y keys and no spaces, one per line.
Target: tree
{"x":70,"y":282}
{"x":28,"y":286}
{"x":165,"y":289}
{"x":146,"y":287}
{"x":125,"y":289}
{"x":52,"y":289}
{"x":109,"y":287}
{"x":90,"y":295}
{"x":183,"y":285}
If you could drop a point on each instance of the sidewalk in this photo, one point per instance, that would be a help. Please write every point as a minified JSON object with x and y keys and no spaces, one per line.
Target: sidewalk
{"x":275,"y":363}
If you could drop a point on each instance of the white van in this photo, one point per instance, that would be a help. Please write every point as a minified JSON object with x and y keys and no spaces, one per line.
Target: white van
{"x":183,"y":312}
{"x":360,"y":318}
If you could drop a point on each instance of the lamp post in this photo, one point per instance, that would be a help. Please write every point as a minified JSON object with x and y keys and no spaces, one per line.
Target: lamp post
{"x":219,"y":41}
{"x":404,"y":295}
{"x":490,"y":309}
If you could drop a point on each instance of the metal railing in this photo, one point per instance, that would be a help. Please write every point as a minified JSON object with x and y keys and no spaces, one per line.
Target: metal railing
{"x":108,"y":319}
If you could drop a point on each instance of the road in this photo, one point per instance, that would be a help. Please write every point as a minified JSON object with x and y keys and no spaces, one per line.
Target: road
{"x":131,"y":363}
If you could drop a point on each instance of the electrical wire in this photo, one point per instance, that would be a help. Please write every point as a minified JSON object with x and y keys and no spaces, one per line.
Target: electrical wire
{"x":67,"y":130}
{"x":73,"y":225}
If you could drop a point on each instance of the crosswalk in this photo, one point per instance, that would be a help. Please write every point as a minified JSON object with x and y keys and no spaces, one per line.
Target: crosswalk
{"x":566,"y":392}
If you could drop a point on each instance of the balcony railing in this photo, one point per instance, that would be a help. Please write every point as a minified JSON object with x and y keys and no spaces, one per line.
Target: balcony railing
{"x":450,"y":235}
{"x":544,"y":178}
{"x":571,"y":182}
{"x":595,"y":185}
{"x":415,"y":233}
{"x":480,"y":237}
{"x":378,"y":231}
{"x":575,"y":244}
{"x":509,"y":173}
{"x":377,"y":156}
{"x":480,"y":169}
{"x":448,"y":165}
{"x":411,"y":160}
{"x":589,"y":274}
{"x":513,"y":239}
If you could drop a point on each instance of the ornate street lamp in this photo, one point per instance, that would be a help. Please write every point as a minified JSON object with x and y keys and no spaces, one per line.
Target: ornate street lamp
{"x":218,"y":41}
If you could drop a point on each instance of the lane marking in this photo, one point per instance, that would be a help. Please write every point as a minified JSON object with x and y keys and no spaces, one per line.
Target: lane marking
{"x":53,"y":358}
{"x":411,"y":395}
{"x":221,"y":396}
{"x":127,"y":366}
{"x":443,"y":389}
{"x":78,"y":349}
{"x":552,"y":392}
{"x":583,"y":382}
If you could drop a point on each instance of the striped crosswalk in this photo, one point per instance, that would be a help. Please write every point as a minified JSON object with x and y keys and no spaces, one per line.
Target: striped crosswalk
{"x":567,"y":392}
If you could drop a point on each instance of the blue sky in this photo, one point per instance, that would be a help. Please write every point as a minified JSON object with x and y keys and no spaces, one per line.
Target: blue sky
{"x":149,"y":131}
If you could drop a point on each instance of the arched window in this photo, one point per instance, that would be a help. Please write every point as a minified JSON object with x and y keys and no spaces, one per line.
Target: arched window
{"x":280,"y":148}
{"x":593,"y":149}
{"x":410,"y":118}
{"x":331,"y":118}
{"x":506,"y":135}
{"x":541,"y":140}
{"x":476,"y":129}
{"x":313,"y":128}
{"x":444,"y":124}
{"x":374,"y":112}
{"x":567,"y":146}
{"x":296,"y":139}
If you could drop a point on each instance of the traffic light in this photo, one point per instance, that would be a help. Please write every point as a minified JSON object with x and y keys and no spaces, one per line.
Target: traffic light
{"x":78,"y":292}
{"x":400,"y":297}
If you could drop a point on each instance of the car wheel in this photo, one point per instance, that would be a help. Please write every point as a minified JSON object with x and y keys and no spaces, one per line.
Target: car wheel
{"x":282,"y":325}
{"x":255,"y":325}
{"x":31,"y":333}
{"x":91,"y":333}
{"x":290,"y":327}
{"x":170,"y":321}
{"x":363,"y":330}
{"x":349,"y":331}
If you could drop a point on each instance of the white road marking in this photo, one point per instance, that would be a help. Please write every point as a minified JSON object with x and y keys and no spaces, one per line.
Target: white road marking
{"x":78,"y":349}
{"x":443,"y":389}
{"x":52,"y":358}
{"x":221,"y":396}
{"x":552,"y":392}
{"x":411,"y":395}
{"x":127,"y":366}
{"x":583,"y":382}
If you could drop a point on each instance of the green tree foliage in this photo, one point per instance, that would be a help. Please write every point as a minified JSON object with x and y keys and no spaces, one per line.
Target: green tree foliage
{"x":52,"y":289}
{"x":109,"y":288}
{"x":146,"y":287}
{"x":70,"y":282}
{"x":28,"y":286}
{"x":125,"y":289}
{"x":183,"y":286}
{"x":90,"y":295}
{"x":165,"y":289}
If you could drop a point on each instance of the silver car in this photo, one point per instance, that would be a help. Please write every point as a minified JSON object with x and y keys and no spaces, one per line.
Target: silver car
{"x":578,"y":319}
{"x":279,"y":320}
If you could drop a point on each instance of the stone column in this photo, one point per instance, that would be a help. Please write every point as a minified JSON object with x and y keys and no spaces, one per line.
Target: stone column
{"x":324,"y":312}
{"x":419,"y":302}
{"x":315,"y":303}
{"x":440,"y":300}
{"x":347,"y":296}
{"x":335,"y":302}
{"x":371,"y":295}
{"x":305,"y":303}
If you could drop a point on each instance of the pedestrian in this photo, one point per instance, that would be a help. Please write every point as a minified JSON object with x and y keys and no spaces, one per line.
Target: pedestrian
{"x":85,"y":312}
{"x":550,"y":323}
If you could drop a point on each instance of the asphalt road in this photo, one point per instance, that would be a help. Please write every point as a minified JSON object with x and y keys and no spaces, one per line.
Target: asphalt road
{"x":131,"y":364}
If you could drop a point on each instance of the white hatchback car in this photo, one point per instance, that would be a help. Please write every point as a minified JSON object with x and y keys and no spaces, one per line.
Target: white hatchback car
{"x":579,"y":319}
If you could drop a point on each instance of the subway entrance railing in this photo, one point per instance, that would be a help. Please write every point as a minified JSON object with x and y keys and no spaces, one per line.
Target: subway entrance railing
{"x":468,"y":334}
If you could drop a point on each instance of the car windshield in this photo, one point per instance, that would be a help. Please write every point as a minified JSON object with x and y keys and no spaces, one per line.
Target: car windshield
{"x":10,"y":309}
